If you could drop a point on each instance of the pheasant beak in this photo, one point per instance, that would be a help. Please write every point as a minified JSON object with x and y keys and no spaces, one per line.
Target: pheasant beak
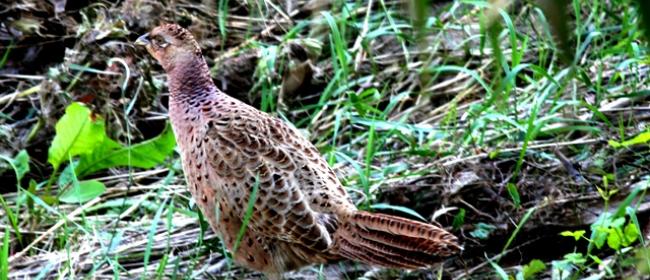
{"x":143,"y":40}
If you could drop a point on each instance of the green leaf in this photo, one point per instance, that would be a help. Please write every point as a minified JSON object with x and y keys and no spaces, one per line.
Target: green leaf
{"x":631,"y":234}
{"x":533,"y":267}
{"x":482,"y":231}
{"x":596,"y":259}
{"x":498,"y":269}
{"x":68,"y":176}
{"x":77,"y":132}
{"x":599,"y":238}
{"x":618,"y":222}
{"x":614,"y":239}
{"x":520,"y":225}
{"x":406,"y":210}
{"x":575,"y":258}
{"x":642,"y":138}
{"x":575,"y":234}
{"x":514,"y":194}
{"x":146,"y":154}
{"x":600,"y":229}
{"x":83,"y":191}
{"x":21,"y":163}
{"x":459,"y":219}
{"x":395,"y":168}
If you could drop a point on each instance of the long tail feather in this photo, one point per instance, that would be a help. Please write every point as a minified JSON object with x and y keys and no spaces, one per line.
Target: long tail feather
{"x":391,"y":241}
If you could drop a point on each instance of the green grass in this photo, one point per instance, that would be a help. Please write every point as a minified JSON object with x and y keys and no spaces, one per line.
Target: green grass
{"x":4,"y":256}
{"x":252,"y":198}
{"x":459,"y":109}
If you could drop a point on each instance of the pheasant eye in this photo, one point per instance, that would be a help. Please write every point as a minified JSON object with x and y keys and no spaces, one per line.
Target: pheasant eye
{"x":160,"y":42}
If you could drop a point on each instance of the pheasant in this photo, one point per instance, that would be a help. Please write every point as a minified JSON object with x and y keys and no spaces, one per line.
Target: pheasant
{"x":301,"y":215}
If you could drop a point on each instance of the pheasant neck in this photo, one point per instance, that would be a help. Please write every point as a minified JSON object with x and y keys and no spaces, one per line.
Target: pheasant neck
{"x":190,"y":81}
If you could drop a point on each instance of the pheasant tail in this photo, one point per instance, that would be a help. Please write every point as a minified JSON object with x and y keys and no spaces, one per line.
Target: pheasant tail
{"x":391,"y":241}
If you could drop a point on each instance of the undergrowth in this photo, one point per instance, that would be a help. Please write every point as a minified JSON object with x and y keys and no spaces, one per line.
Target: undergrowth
{"x":520,"y":126}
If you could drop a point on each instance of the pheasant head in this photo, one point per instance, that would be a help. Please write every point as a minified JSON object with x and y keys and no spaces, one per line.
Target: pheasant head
{"x":180,"y":55}
{"x":171,"y":45}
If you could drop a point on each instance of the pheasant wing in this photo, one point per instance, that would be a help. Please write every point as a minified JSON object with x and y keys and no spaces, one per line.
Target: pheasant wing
{"x":249,"y":148}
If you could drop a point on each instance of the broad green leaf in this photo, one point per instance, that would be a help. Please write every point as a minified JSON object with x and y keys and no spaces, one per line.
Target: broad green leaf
{"x":614,"y":239}
{"x":83,"y":191}
{"x":68,"y":176}
{"x":145,"y":154}
{"x":599,"y":238}
{"x":618,"y":222}
{"x":642,"y":138}
{"x":21,"y":163}
{"x":533,"y":267}
{"x":631,"y":234}
{"x":77,"y":132}
{"x":599,"y":230}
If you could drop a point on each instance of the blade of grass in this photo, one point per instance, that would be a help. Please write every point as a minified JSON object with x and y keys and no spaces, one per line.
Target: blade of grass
{"x":406,"y":210}
{"x":521,"y":223}
{"x":498,"y":269}
{"x":4,"y":256}
{"x":370,"y":154}
{"x":632,"y":213}
{"x":644,"y":12}
{"x":223,"y":19}
{"x":5,"y":56}
{"x":160,"y":271}
{"x":150,"y":236}
{"x":248,"y":215}
{"x":11,"y":216}
{"x":393,"y":26}
{"x":339,"y":45}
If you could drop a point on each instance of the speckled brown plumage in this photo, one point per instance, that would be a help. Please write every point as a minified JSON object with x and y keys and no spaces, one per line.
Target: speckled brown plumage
{"x":302,"y":215}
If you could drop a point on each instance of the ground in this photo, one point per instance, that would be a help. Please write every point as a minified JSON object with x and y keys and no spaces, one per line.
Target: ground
{"x":521,"y":127}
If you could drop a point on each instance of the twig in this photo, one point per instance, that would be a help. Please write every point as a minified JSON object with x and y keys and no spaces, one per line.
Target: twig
{"x":10,"y":97}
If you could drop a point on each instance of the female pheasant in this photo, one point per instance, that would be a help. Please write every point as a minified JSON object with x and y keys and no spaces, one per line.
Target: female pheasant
{"x":301,"y":214}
